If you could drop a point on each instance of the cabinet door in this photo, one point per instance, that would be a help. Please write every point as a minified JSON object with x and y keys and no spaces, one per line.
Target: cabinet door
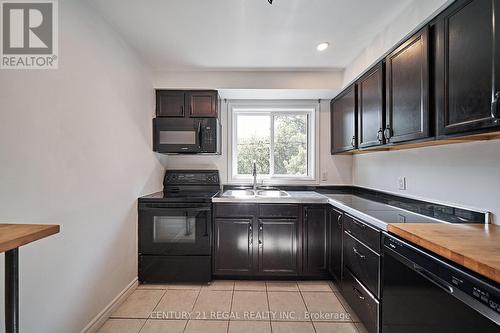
{"x":465,"y":76}
{"x":371,"y":101}
{"x":343,"y":113}
{"x":335,"y":233}
{"x":170,"y":103}
{"x":202,"y":103}
{"x":233,"y":248}
{"x":315,"y":240}
{"x":278,"y":242}
{"x":407,"y":85}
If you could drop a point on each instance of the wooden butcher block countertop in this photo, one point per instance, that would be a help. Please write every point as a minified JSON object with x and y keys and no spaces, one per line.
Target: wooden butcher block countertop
{"x":474,"y":246}
{"x":16,"y":235}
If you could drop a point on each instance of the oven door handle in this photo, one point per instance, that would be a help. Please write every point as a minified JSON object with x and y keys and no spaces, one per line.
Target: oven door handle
{"x":172,"y":209}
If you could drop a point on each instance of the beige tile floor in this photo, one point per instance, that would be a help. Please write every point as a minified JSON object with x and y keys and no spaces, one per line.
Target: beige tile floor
{"x":234,"y":306}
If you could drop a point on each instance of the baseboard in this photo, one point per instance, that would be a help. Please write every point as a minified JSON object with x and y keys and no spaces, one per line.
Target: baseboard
{"x":102,"y":316}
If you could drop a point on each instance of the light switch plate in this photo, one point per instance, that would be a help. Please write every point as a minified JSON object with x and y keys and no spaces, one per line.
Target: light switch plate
{"x":402,"y":183}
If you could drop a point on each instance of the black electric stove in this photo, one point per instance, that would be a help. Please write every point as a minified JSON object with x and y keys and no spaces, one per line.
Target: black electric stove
{"x":175,"y":228}
{"x":186,"y":186}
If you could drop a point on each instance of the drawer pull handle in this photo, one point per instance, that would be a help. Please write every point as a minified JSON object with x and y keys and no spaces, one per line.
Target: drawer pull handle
{"x":358,"y":293}
{"x":338,"y":220}
{"x":359,"y":224}
{"x":362,"y":256}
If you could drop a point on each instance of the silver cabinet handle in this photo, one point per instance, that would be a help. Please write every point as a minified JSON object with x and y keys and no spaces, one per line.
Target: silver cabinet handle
{"x":358,"y":293}
{"x":380,"y":135}
{"x":362,"y":256}
{"x":495,"y":106}
{"x":387,"y":132}
{"x":338,"y":220}
{"x":250,"y":236}
{"x":353,"y":141}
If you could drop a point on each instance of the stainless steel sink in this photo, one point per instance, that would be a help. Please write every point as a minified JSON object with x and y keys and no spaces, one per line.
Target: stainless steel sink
{"x":240,"y":194}
{"x":272,"y":194}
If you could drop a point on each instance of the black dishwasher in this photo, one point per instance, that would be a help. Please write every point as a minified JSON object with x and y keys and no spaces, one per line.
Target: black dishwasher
{"x":425,"y":294}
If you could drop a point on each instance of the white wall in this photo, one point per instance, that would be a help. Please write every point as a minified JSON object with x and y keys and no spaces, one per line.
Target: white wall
{"x":260,"y":85}
{"x":338,"y":168}
{"x":250,"y":79}
{"x":409,"y":19}
{"x":465,"y":173}
{"x":76,"y":151}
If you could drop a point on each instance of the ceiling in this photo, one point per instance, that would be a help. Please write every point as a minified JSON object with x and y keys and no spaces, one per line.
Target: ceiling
{"x":248,"y":34}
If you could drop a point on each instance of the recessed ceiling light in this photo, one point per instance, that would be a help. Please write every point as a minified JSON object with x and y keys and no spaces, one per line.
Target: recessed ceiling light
{"x":322,"y":46}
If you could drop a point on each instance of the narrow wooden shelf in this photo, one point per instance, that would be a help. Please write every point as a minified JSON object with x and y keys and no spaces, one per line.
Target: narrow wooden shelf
{"x":474,"y":246}
{"x":16,"y":235}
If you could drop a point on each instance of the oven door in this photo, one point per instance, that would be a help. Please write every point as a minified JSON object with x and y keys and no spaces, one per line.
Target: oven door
{"x":168,"y":230}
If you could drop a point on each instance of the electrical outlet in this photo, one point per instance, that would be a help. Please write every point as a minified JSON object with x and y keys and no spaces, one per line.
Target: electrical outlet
{"x":402,"y":183}
{"x":324,"y":176}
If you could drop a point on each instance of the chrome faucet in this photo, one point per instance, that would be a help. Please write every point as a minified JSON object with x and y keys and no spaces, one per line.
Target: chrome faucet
{"x":254,"y":174}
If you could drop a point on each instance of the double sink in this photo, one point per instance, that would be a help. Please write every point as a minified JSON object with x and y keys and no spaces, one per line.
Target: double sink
{"x":251,"y":194}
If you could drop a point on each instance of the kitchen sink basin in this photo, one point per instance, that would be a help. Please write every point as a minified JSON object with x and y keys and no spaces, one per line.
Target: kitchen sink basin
{"x":241,"y":194}
{"x":251,"y":194}
{"x":272,"y":194}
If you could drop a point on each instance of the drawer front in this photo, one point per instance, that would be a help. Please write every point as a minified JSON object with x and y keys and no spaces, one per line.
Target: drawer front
{"x":235,"y":210}
{"x":280,"y":210}
{"x":362,"y":231}
{"x":363,"y":262}
{"x":362,"y":303}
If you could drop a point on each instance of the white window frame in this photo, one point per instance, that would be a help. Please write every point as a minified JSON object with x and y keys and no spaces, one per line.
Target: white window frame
{"x":311,"y":108}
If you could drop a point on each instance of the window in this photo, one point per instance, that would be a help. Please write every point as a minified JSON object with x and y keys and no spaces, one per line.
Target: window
{"x":280,"y":140}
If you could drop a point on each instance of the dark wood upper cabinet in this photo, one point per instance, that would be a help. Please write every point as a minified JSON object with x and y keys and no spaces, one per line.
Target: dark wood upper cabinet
{"x":407,"y":90}
{"x":187,"y":103}
{"x":170,"y":103}
{"x":467,"y":69}
{"x":371,"y":102}
{"x":343,"y":113}
{"x":278,"y":244}
{"x":335,"y":244}
{"x":233,"y":246}
{"x":315,"y":240}
{"x":202,"y":103}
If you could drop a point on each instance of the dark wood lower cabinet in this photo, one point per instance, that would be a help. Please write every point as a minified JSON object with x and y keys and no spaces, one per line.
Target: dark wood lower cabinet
{"x":335,"y":244}
{"x":278,"y":245}
{"x":279,"y":240}
{"x":315,"y":241}
{"x":233,"y":248}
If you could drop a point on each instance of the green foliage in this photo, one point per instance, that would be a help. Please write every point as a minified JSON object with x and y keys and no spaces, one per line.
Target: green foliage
{"x":254,"y":149}
{"x":290,"y":148}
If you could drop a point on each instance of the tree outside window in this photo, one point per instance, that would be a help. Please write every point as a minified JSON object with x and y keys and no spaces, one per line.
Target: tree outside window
{"x":277,"y":141}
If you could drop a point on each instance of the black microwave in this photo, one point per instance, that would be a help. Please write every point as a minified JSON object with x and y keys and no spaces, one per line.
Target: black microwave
{"x":186,"y":135}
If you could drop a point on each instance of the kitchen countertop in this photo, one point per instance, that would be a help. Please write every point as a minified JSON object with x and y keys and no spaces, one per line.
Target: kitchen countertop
{"x":474,"y":246}
{"x":299,"y":197}
{"x":378,"y":214}
{"x":373,"y":212}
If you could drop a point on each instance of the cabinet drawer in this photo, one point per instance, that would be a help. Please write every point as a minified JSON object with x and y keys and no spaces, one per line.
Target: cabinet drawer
{"x":360,"y":230}
{"x":280,"y":211}
{"x":235,"y":210}
{"x":362,"y":303}
{"x":363,"y":262}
